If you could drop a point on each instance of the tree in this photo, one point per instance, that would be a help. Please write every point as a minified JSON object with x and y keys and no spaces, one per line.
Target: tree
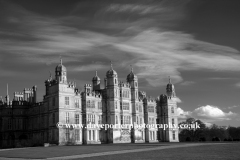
{"x":194,"y":133}
{"x":234,"y":133}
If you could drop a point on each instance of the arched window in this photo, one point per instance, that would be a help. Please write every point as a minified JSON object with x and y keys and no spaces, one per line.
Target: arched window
{"x":172,"y":109}
{"x":115,"y":81}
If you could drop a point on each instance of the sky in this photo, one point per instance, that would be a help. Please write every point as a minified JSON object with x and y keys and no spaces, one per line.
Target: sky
{"x":195,"y":42}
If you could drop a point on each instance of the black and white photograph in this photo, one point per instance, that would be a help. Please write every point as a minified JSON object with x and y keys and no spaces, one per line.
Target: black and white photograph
{"x":119,"y":79}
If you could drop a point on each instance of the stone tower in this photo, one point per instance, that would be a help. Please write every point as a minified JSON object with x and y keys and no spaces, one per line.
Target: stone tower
{"x":63,"y":102}
{"x":168,"y":114}
{"x":137,"y":116}
{"x":113,"y":107}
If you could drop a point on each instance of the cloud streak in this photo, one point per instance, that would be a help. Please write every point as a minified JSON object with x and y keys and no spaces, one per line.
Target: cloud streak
{"x":153,"y":50}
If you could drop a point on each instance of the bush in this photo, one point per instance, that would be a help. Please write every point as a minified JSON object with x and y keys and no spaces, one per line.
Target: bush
{"x":203,"y":139}
{"x":188,"y":139}
{"x":217,"y":139}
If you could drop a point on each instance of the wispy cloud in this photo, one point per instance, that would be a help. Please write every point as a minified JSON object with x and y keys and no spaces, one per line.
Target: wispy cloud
{"x":140,"y":9}
{"x":90,"y":67}
{"x":187,"y":83}
{"x":155,"y":52}
{"x":220,"y":78}
{"x":231,"y":107}
{"x":166,"y":53}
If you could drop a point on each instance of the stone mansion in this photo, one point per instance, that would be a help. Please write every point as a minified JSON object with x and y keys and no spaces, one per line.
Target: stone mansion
{"x":26,"y":122}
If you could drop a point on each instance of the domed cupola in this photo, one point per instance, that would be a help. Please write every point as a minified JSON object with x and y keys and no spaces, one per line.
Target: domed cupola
{"x":111,"y":72}
{"x":96,"y":78}
{"x":61,"y":73}
{"x":131,"y":76}
{"x":60,"y":67}
{"x":170,"y":89}
{"x":96,"y":82}
{"x":112,"y":78}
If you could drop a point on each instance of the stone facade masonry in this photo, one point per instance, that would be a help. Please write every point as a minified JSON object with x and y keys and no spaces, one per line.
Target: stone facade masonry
{"x":26,"y":122}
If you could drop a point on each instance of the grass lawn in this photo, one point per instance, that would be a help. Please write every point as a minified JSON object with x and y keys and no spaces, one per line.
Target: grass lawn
{"x":230,"y":151}
{"x":212,"y":151}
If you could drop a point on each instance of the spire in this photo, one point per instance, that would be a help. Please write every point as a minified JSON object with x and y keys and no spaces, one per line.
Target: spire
{"x":169,"y":79}
{"x":7,"y":97}
{"x":111,"y":66}
{"x":50,"y":75}
{"x":7,"y":89}
{"x":131,"y":68}
{"x":96,"y":73}
{"x":61,"y":60}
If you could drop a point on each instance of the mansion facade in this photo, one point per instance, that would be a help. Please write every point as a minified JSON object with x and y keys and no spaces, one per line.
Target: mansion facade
{"x":26,"y":122}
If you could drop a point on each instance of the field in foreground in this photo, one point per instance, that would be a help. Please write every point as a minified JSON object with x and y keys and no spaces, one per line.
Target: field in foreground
{"x":162,"y":151}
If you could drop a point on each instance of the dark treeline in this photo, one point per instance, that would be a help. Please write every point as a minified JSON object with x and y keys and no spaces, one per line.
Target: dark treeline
{"x":213,"y":133}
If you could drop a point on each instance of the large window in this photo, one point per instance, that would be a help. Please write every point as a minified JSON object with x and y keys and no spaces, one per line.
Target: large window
{"x":99,"y":119}
{"x":89,"y":135}
{"x":90,"y":119}
{"x":116,"y":121}
{"x":172,"y":109}
{"x":126,"y":120}
{"x":116,"y":104}
{"x":92,"y":104}
{"x":67,"y":117}
{"x":151,"y":120}
{"x":125,"y":106}
{"x":150,"y":108}
{"x":99,"y":105}
{"x":67,"y":101}
{"x":125,"y":94}
{"x":173,"y":121}
{"x":77,"y":135}
{"x":88,"y":103}
{"x":77,"y":119}
{"x":67,"y":134}
{"x":174,"y":137}
{"x":136,"y":106}
{"x":76,"y":103}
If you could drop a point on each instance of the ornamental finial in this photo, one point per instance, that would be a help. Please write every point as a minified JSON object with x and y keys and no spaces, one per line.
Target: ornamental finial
{"x":111,"y":65}
{"x":131,"y":68}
